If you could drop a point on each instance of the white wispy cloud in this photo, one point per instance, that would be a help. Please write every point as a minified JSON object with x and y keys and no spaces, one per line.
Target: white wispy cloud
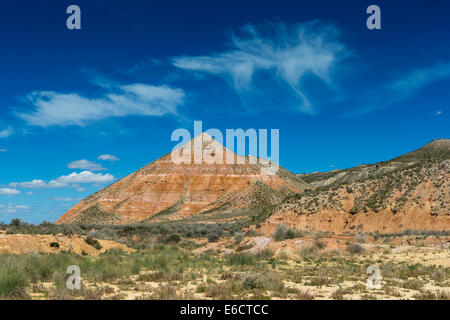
{"x":287,"y":53}
{"x":13,"y":208}
{"x":66,"y":181}
{"x":6,"y":132}
{"x":438,"y":113}
{"x":418,"y":78}
{"x":37,"y":184}
{"x":9,"y":191}
{"x":63,"y":109}
{"x":85,"y":177}
{"x":64,"y":199}
{"x":85,"y":165}
{"x":406,"y":86}
{"x":3,"y":150}
{"x":107,"y":157}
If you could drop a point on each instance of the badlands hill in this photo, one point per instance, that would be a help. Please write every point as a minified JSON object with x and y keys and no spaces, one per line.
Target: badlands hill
{"x":167,"y":190}
{"x":409,"y":192}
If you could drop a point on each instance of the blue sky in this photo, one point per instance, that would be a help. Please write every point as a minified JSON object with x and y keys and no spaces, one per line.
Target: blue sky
{"x":81,"y":109}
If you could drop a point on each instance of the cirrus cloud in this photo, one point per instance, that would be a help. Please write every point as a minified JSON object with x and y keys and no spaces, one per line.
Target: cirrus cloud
{"x":63,"y":109}
{"x":405,"y":87}
{"x":289,"y":54}
{"x":13,"y":208}
{"x":6,"y":132}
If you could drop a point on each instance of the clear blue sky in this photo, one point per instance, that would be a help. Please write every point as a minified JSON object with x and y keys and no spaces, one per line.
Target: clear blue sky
{"x":340,"y":94}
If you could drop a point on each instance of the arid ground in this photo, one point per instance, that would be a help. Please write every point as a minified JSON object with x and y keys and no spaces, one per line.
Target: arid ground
{"x":288,"y":264}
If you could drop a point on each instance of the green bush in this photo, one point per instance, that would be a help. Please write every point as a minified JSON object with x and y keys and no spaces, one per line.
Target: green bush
{"x":173,"y":238}
{"x":238,"y":237}
{"x":291,"y":234}
{"x":54,"y":244}
{"x":212,"y":237}
{"x":93,"y":242}
{"x":15,"y":223}
{"x":12,"y":282}
{"x":355,"y":248}
{"x":253,"y":281}
{"x":282,"y":233}
{"x":240,"y":259}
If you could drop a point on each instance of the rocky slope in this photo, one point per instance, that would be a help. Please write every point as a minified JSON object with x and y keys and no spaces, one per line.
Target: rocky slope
{"x":178,"y":190}
{"x":408,"y":192}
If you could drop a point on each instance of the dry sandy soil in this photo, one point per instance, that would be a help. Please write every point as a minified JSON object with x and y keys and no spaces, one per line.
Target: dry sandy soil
{"x":28,"y":243}
{"x":412,"y":267}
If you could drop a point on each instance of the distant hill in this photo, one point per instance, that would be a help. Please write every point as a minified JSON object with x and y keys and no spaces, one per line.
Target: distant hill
{"x":409,"y":192}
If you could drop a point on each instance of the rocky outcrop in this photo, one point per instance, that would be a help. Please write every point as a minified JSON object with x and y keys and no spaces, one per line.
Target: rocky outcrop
{"x":408,"y":192}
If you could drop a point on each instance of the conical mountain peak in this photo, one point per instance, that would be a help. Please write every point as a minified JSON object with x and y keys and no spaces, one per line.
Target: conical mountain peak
{"x":199,"y":176}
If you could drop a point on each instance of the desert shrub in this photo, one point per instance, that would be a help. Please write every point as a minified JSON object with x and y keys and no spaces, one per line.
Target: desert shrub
{"x":165,"y":292}
{"x":430,"y":295}
{"x":320,"y":244}
{"x":305,"y":295}
{"x":15,"y":223}
{"x":13,"y":282}
{"x":253,"y":281}
{"x":414,"y":284}
{"x":338,"y":294}
{"x":212,"y":237}
{"x":291,"y":234}
{"x":280,"y":233}
{"x":238,"y":237}
{"x":93,"y":242}
{"x":218,"y":291}
{"x":361,"y":238}
{"x":173,"y":238}
{"x":70,"y":230}
{"x":267,"y":280}
{"x":440,"y":274}
{"x":227,"y":275}
{"x":355,"y":249}
{"x":251,"y":233}
{"x":240,"y":259}
{"x":266,"y":254}
{"x":54,"y":244}
{"x":319,"y":281}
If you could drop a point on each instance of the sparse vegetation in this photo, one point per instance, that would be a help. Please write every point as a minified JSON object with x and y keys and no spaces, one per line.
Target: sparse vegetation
{"x":173,"y":238}
{"x":355,"y":249}
{"x":12,"y":280}
{"x":282,"y":233}
{"x":93,"y":242}
{"x":167,"y":271}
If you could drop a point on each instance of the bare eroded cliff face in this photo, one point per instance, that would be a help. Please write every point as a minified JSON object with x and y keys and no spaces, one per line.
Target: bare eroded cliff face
{"x":174,"y":189}
{"x":408,"y":192}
